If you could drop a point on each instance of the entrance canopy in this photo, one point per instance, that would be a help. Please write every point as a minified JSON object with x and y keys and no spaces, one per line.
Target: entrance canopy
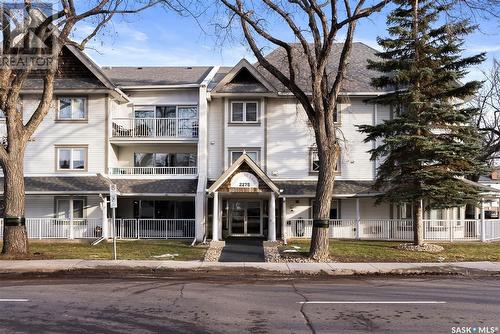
{"x":244,"y":176}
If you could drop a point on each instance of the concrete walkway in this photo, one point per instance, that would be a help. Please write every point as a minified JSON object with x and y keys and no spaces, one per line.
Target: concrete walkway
{"x":242,"y":250}
{"x":334,"y":269}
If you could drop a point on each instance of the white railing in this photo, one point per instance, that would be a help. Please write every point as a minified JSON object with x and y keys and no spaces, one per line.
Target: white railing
{"x":398,"y":229}
{"x":452,"y":230}
{"x":492,"y":229}
{"x":153,"y":170}
{"x":155,"y":127}
{"x":55,"y":228}
{"x":154,"y":228}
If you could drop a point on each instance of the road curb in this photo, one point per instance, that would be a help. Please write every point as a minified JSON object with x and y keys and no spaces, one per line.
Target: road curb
{"x":161,"y":268}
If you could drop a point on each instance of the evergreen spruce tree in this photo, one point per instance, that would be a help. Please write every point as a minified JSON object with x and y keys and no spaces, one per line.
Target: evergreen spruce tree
{"x":429,"y":145}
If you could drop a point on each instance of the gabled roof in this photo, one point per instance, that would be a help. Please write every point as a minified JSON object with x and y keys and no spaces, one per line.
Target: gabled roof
{"x":244,"y":158}
{"x":228,"y":84}
{"x":157,"y":76}
{"x":358,"y":77}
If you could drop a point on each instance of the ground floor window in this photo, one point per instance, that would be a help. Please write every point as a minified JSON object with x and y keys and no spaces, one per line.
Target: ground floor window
{"x":161,"y":209}
{"x":68,"y":207}
{"x":334,"y":209}
{"x":405,"y":211}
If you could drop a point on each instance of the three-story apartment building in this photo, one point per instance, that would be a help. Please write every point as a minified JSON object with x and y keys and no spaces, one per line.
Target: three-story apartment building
{"x":200,"y":152}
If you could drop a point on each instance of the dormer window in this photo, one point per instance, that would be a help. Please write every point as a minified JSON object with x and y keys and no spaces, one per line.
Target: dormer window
{"x":244,"y":112}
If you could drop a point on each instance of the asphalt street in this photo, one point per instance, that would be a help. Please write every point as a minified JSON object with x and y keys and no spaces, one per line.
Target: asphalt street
{"x":182,"y":305}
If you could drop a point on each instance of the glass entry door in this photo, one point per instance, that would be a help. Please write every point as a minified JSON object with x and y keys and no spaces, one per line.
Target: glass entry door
{"x":245,"y":218}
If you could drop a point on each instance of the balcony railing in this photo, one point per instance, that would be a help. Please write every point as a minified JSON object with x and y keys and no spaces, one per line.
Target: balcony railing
{"x":155,"y":127}
{"x":153,"y":170}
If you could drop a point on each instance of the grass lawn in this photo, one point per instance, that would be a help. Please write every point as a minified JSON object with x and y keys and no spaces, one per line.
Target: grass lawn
{"x":386,"y":251}
{"x":127,"y":250}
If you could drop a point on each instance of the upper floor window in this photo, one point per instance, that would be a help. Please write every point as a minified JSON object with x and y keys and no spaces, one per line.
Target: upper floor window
{"x":164,"y":159}
{"x":253,"y":154}
{"x":71,"y":158}
{"x":72,"y":108}
{"x":314,"y":162}
{"x":244,"y":112}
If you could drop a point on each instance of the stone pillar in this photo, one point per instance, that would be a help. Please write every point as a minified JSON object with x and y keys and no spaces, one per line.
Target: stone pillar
{"x":215,"y":218}
{"x":272,"y":218}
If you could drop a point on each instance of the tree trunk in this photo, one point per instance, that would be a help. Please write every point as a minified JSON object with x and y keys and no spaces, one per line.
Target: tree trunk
{"x":15,"y":237}
{"x":418,"y":224}
{"x":321,"y":211}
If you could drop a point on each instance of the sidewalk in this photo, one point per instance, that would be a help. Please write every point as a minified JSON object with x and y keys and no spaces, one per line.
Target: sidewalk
{"x":332,"y":269}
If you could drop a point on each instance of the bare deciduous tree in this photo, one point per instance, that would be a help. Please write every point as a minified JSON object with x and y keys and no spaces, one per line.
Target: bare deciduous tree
{"x":23,"y":22}
{"x":316,"y":26}
{"x":487,"y":100}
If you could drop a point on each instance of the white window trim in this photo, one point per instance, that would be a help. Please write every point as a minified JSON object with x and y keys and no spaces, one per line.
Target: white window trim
{"x":71,"y":148}
{"x":71,"y":119}
{"x":239,"y":150}
{"x":244,"y":121}
{"x":71,"y":207}
{"x":177,"y":106}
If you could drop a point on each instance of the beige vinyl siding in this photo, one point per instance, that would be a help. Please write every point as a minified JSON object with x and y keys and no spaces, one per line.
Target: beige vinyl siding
{"x":40,"y":155}
{"x":299,"y":208}
{"x":246,"y":134}
{"x":215,"y":138}
{"x":356,"y":163}
{"x":43,"y":206}
{"x":289,"y":140}
{"x":174,"y":97}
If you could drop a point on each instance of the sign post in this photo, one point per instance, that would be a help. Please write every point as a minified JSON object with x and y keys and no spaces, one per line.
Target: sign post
{"x":113,"y":201}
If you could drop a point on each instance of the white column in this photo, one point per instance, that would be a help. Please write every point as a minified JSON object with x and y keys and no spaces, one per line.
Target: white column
{"x":71,"y":226}
{"x":283,"y":219}
{"x":215,"y":219}
{"x":221,"y":210}
{"x":271,"y":230}
{"x":358,"y":220}
{"x":483,"y":224}
{"x":104,"y":210}
{"x":202,"y":156}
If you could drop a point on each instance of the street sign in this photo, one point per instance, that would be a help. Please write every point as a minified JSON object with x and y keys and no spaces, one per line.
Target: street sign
{"x":113,"y":198}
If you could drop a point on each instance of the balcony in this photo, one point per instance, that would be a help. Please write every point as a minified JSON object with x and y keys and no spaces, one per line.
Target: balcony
{"x":174,"y":128}
{"x":179,"y":171}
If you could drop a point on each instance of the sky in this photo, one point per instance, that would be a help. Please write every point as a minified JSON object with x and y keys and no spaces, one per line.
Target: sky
{"x":158,"y":37}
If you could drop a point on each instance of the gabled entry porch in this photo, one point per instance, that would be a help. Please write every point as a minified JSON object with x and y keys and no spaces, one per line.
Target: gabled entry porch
{"x":244,"y":202}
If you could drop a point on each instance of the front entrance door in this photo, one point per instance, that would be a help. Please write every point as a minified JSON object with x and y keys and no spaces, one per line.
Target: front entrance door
{"x":245,"y":218}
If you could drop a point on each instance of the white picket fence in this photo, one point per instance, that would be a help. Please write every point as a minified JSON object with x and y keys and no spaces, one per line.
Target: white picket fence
{"x":92,"y":228}
{"x":55,"y":228}
{"x":154,"y":228}
{"x":398,"y":229}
